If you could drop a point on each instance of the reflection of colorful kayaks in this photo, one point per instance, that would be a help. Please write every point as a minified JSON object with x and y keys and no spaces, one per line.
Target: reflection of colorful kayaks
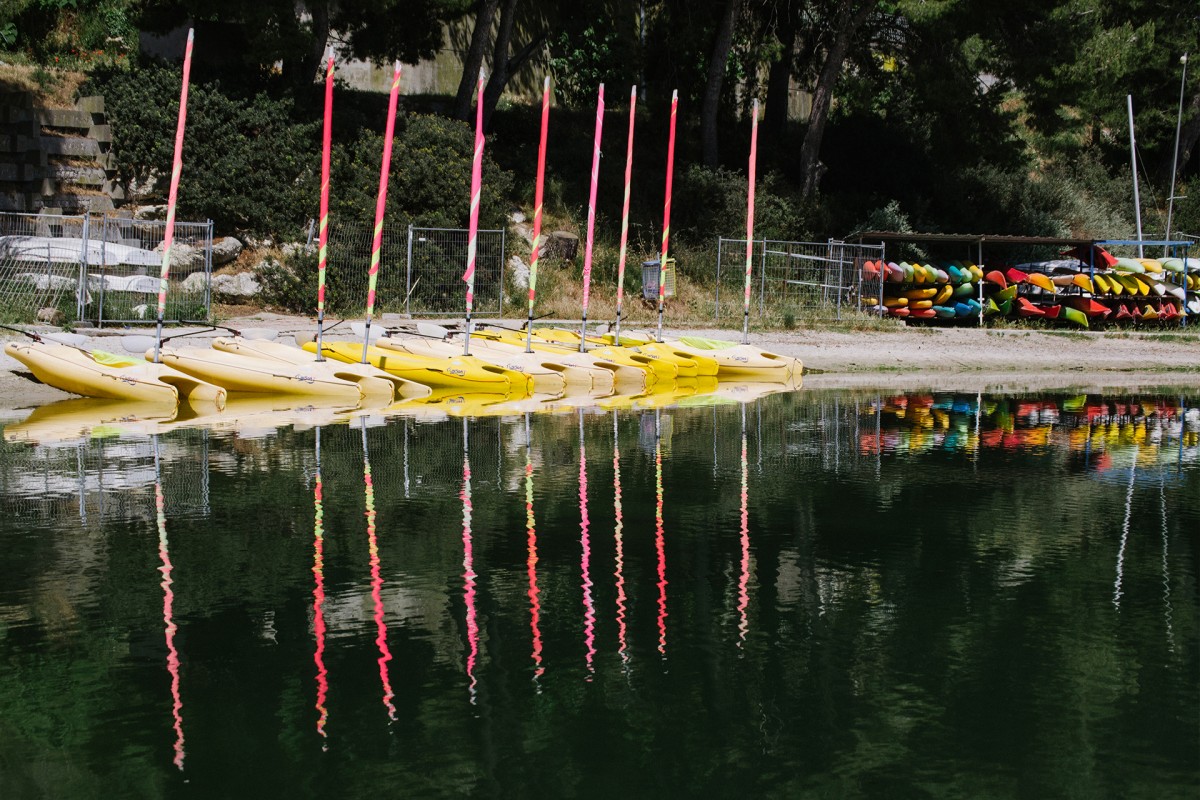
{"x":69,"y":421}
{"x":100,"y":374}
{"x":372,"y":381}
{"x":462,"y":374}
{"x":245,"y":373}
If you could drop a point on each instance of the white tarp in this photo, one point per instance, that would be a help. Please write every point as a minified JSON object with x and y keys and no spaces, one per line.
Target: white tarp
{"x":44,"y":248}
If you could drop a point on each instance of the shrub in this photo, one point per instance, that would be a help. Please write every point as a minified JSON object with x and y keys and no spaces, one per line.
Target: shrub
{"x":712,"y":202}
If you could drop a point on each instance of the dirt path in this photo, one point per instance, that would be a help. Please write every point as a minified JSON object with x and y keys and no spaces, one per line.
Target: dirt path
{"x":965,"y":359}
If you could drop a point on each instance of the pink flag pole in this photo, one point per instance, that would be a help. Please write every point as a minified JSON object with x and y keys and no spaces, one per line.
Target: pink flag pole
{"x":380,"y":203}
{"x":666,"y":231}
{"x":176,"y":169}
{"x":591,"y":219}
{"x":473,"y":225}
{"x":537,"y":212}
{"x":625,"y":213}
{"x":750,"y":225}
{"x":323,"y":236}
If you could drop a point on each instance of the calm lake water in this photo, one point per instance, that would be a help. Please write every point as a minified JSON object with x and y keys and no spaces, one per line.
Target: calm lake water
{"x":825,"y":594}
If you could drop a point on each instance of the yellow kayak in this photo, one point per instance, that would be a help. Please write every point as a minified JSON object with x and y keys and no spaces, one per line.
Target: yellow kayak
{"x":626,"y":373}
{"x":743,"y":362}
{"x":547,"y":377}
{"x":687,"y":365}
{"x":100,"y":374}
{"x":374,"y":382}
{"x":464,"y":373}
{"x":246,"y":373}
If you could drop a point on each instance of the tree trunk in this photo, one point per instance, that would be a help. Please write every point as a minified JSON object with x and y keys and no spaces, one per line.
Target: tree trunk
{"x":504,"y":66}
{"x":779,"y":81}
{"x":1189,"y":134}
{"x":849,"y":19}
{"x":474,"y":60}
{"x":711,"y":103}
{"x":300,"y":66}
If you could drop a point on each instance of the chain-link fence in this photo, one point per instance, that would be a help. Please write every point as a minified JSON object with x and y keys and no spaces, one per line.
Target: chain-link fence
{"x":420,"y":270}
{"x":812,"y":280}
{"x":99,"y":268}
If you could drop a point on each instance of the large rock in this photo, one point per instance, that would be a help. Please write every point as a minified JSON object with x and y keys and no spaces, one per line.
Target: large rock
{"x":194,"y":283}
{"x":561,"y":244}
{"x":184,"y":258}
{"x":224,"y":250}
{"x":519,"y":271}
{"x":235,"y":288}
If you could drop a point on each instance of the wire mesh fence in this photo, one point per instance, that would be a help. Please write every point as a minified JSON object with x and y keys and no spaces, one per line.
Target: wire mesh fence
{"x":814,"y":280}
{"x":99,"y":268}
{"x":420,"y":270}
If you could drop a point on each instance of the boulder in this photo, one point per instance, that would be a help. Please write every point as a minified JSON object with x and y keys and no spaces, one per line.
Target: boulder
{"x":517,"y":217}
{"x":561,"y":244}
{"x":194,"y":283}
{"x":50,"y":316}
{"x":235,"y":288}
{"x":519,"y":271}
{"x":184,"y":257}
{"x":225,"y":249}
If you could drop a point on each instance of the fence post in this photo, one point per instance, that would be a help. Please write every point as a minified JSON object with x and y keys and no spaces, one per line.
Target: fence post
{"x":720,"y":249}
{"x":762,"y":278}
{"x":208,"y":246}
{"x":103,"y":270}
{"x":81,"y":286}
{"x":408,"y":272}
{"x":503,"y":244}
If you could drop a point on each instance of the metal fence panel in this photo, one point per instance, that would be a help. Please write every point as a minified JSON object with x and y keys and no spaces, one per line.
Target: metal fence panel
{"x":420,"y":270}
{"x":46,"y":258}
{"x":815,"y":280}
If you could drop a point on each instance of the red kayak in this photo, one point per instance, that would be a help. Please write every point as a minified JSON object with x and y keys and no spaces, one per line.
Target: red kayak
{"x":1122,"y":313}
{"x":1088,"y":306}
{"x":996,"y":277}
{"x":1015,"y":275}
{"x":1028,"y":309}
{"x":1051,"y":312}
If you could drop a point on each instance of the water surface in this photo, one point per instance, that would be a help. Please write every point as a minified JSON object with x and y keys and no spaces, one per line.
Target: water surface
{"x":826,"y":594}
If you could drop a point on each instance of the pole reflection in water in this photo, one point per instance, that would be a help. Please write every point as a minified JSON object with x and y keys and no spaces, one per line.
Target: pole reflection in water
{"x":618,"y":531}
{"x":1162,"y":495}
{"x":160,"y":514}
{"x":385,"y":655}
{"x":535,"y":605}
{"x":744,"y":579}
{"x":468,"y":568}
{"x":659,"y":544}
{"x":589,"y":610}
{"x":1125,"y":533}
{"x":319,"y":598}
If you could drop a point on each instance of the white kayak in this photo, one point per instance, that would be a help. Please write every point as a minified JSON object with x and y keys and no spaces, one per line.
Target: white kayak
{"x":245,"y":373}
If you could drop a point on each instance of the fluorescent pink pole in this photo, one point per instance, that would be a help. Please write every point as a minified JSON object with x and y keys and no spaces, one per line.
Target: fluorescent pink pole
{"x":625,"y":212}
{"x":750,"y":224}
{"x":473,"y":225}
{"x":537,"y":212}
{"x":666,"y":231}
{"x":380,"y":204}
{"x":591,"y":218}
{"x":323,"y":234}
{"x":176,"y":170}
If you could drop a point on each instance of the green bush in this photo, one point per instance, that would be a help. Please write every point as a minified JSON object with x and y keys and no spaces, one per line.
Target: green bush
{"x":246,"y":164}
{"x":712,"y":202}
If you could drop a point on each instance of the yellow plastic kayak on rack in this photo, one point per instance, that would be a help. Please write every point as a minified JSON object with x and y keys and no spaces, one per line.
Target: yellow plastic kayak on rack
{"x":99,"y":374}
{"x":547,"y":376}
{"x":374,"y":382}
{"x":466,"y":374}
{"x":245,"y":373}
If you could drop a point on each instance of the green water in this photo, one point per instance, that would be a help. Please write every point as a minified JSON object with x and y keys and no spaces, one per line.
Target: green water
{"x":811,"y":595}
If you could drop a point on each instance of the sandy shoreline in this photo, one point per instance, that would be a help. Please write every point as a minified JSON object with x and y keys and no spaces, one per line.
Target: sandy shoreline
{"x":947,"y":359}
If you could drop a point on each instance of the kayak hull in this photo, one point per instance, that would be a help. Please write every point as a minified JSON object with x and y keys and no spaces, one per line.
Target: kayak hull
{"x":245,"y":373}
{"x":462,"y":373}
{"x":74,"y":371}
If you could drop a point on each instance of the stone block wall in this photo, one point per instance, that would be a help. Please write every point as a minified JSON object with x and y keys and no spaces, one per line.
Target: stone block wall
{"x":56,"y":158}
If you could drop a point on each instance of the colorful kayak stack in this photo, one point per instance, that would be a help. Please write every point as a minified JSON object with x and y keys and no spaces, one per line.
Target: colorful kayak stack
{"x":1120,"y":290}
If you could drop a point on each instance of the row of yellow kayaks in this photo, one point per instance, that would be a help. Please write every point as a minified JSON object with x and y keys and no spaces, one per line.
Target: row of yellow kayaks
{"x":399,"y":368}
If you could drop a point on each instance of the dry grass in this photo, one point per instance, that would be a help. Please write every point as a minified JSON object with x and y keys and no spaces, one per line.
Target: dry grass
{"x":51,"y":88}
